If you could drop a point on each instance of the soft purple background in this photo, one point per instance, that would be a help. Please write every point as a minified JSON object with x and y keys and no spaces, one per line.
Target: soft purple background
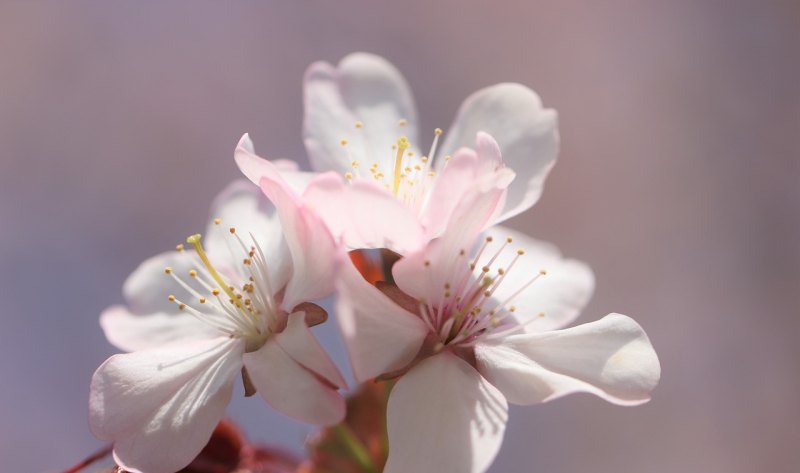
{"x":678,"y":182}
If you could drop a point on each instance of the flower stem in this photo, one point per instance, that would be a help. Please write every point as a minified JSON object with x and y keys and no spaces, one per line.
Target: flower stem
{"x":356,"y":448}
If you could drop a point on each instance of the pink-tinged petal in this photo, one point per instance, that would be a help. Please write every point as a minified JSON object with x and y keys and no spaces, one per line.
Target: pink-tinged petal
{"x":311,"y":245}
{"x":443,"y":417}
{"x":526,"y":132}
{"x":130,"y":332}
{"x":364,"y":88}
{"x":290,"y":388}
{"x":160,"y":406}
{"x":611,"y":358}
{"x":364,"y":214}
{"x":244,"y":206}
{"x":147,"y":288}
{"x":380,"y":336}
{"x":298,"y":341}
{"x":254,"y":167}
{"x":423,"y":274}
{"x":560,"y":294}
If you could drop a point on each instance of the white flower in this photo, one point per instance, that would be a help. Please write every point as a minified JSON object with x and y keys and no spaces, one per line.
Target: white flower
{"x":198,"y":318}
{"x":470,"y":327}
{"x":361,"y":123}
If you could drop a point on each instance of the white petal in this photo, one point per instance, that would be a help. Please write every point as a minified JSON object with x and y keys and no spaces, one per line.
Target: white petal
{"x":364,"y":88}
{"x":443,"y":417}
{"x":130,"y":332}
{"x":560,"y":295}
{"x":364,"y":214}
{"x":611,"y":358}
{"x":242,"y":205}
{"x":380,"y":335}
{"x":147,"y":288}
{"x":526,"y":132}
{"x":298,"y":341}
{"x":255,"y":167}
{"x":160,"y":406}
{"x":291,"y":389}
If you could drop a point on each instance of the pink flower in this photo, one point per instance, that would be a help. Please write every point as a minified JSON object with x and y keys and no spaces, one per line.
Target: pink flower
{"x":237,"y":307}
{"x":472,"y":326}
{"x":361,"y":124}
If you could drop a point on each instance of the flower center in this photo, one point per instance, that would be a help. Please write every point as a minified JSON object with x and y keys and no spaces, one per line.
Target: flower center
{"x":466,"y":309}
{"x":241,"y":305}
{"x":409,"y":177}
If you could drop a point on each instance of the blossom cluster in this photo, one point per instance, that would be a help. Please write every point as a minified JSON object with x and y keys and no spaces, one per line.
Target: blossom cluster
{"x":470,"y":317}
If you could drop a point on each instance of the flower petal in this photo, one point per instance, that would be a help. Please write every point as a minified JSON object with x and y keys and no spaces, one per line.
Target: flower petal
{"x":611,"y":358}
{"x":313,"y":249}
{"x":244,"y":206}
{"x":526,"y":132}
{"x":255,"y":167}
{"x":298,"y":341}
{"x":130,"y":332}
{"x":147,"y":288}
{"x":160,"y":406}
{"x":380,"y":336}
{"x":291,"y":389}
{"x":444,"y":417}
{"x":364,"y":214}
{"x":560,"y":294}
{"x":364,"y":88}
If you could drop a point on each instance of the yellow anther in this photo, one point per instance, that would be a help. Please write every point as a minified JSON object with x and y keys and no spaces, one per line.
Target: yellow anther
{"x":540,"y":314}
{"x":410,"y":154}
{"x":232,"y":230}
{"x":485,"y":269}
{"x":343,"y":142}
{"x":181,"y":306}
{"x":417,"y":167}
{"x":217,"y":221}
{"x":192,"y":239}
{"x":520,"y":252}
{"x":501,"y":271}
{"x":246,"y":261}
{"x":489,"y":239}
{"x":171,"y":298}
{"x":509,"y":239}
{"x":359,"y":125}
{"x":437,"y":131}
{"x":402,"y":122}
{"x":354,"y":163}
{"x":168,"y":270}
{"x":348,"y":176}
{"x":403,"y":142}
{"x":179,"y":248}
{"x":448,"y":158}
{"x":202,"y":300}
{"x":512,"y":308}
{"x":543,"y":272}
{"x":215,"y":291}
{"x":192,"y":273}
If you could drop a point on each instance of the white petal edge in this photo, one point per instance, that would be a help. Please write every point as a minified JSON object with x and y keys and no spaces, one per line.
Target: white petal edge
{"x":298,"y":341}
{"x":160,"y":406}
{"x":130,"y":332}
{"x":444,"y":417}
{"x":526,"y":132}
{"x":611,"y":358}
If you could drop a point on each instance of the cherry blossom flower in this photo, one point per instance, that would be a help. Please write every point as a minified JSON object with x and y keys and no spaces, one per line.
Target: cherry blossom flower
{"x":361,"y":123}
{"x":200,"y":317}
{"x":469,"y":328}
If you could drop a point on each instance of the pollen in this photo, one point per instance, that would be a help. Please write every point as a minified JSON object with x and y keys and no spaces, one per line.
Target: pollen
{"x":179,"y":247}
{"x":215,"y":291}
{"x":217,"y":221}
{"x":168,"y":270}
{"x":359,"y":125}
{"x":232,"y":230}
{"x":402,"y":122}
{"x":192,"y":273}
{"x":543,"y":272}
{"x":171,"y":298}
{"x":202,"y":300}
{"x":438,"y":132}
{"x":343,"y":142}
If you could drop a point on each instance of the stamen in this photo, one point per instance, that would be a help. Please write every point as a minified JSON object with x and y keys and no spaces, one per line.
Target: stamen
{"x":402,"y":145}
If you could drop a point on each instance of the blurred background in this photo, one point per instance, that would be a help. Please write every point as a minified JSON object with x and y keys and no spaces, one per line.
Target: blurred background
{"x":678,"y":182}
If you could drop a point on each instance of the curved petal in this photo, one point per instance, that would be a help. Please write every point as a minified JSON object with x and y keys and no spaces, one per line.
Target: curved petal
{"x":444,"y":417}
{"x":611,"y":358}
{"x":424,"y":274}
{"x":291,"y":389}
{"x":130,"y":332}
{"x":556,"y":298}
{"x":147,"y":288}
{"x":298,"y":341}
{"x":311,"y":245}
{"x":160,"y":406}
{"x":254,"y":167}
{"x":364,"y":214}
{"x":245,"y":207}
{"x":526,"y":132}
{"x":364,"y":88}
{"x":380,"y":336}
